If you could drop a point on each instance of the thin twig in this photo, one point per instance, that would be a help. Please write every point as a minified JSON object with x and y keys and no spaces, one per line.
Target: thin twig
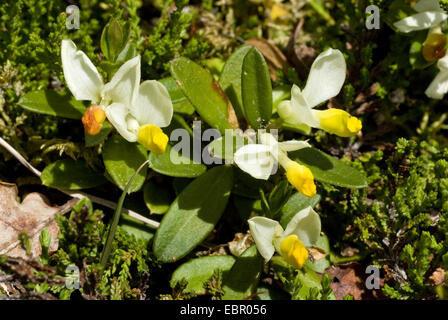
{"x":79,"y":195}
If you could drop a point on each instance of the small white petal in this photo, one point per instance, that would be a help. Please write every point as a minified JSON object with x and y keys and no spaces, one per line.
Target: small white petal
{"x":118,"y":114}
{"x":439,"y":86}
{"x":296,"y":111}
{"x":262,"y":230}
{"x":442,"y":63}
{"x":153,"y":104}
{"x":427,"y":5}
{"x":306,"y":226}
{"x":327,"y":76}
{"x":256,"y":160}
{"x":420,"y":21}
{"x":268,"y":139}
{"x":81,"y":76}
{"x":293,"y":145}
{"x":124,"y":85}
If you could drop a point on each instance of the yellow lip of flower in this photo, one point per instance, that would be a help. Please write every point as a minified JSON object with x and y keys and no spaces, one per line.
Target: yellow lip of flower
{"x":293,"y":251}
{"x":93,"y":119}
{"x":338,"y":122}
{"x":277,"y":12}
{"x":152,"y":138}
{"x":434,"y":47}
{"x":301,"y":178}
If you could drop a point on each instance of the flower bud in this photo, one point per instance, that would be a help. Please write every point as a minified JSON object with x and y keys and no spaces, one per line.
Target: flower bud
{"x":93,"y":119}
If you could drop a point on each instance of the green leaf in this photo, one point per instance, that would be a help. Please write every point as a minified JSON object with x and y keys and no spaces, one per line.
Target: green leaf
{"x":53,"y":103}
{"x":180,"y":102}
{"x":121,"y":159}
{"x":278,"y":197}
{"x":242,"y":280}
{"x":203,"y":92}
{"x":136,"y":227}
{"x":193,"y":215}
{"x":157,"y":197}
{"x":256,"y":89}
{"x":113,"y":39}
{"x":230,"y":80}
{"x":91,"y":141}
{"x":296,"y":203}
{"x":198,"y":271}
{"x":172,"y":163}
{"x":128,"y":52}
{"x":326,"y":168}
{"x":71,"y":174}
{"x":269,"y":292}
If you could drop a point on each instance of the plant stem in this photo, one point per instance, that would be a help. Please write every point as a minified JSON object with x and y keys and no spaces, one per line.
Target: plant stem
{"x":116,"y":218}
{"x":79,"y":195}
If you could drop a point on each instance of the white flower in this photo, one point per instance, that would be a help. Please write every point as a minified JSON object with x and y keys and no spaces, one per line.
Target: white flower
{"x":302,"y":231}
{"x":259,"y":160}
{"x":429,"y":15}
{"x":327,"y":75}
{"x":439,"y":86}
{"x":136,"y":110}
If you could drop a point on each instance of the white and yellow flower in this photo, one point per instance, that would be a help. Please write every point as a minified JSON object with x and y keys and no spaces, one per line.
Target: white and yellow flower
{"x":137,"y":111}
{"x":259,"y":160}
{"x":327,"y":75}
{"x":291,"y":243}
{"x":429,"y":14}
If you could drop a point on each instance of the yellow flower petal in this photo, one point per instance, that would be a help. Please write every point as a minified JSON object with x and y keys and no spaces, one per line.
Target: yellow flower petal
{"x":339,"y":122}
{"x":93,"y":119}
{"x":152,"y":138}
{"x":301,"y":178}
{"x":278,"y":12}
{"x":293,"y":251}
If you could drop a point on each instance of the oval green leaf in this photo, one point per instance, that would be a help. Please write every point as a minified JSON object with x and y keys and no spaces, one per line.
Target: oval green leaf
{"x":91,"y":141}
{"x":198,"y":271}
{"x":230,"y":80}
{"x":204,"y":93}
{"x":326,"y":168}
{"x":173,"y":164}
{"x":157,"y":197}
{"x":53,"y":103}
{"x":121,"y":159}
{"x":179,"y":100}
{"x":72,"y":175}
{"x":256,"y":89}
{"x":242,"y":280}
{"x":193,"y":215}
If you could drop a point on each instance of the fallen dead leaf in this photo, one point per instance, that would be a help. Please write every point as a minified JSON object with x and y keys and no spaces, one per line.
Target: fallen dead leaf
{"x":317,"y":253}
{"x":350,"y":279}
{"x":438,"y":277}
{"x":240,"y":243}
{"x":32,"y":215}
{"x":275,"y":59}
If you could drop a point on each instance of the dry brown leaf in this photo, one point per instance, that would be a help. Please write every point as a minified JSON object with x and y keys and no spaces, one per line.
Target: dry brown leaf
{"x":275,"y":59}
{"x":240,"y":243}
{"x":317,"y":253}
{"x":350,"y":279}
{"x":438,"y":277}
{"x":32,"y":215}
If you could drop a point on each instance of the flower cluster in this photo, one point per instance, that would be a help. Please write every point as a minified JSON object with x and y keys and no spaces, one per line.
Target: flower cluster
{"x":137,"y":111}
